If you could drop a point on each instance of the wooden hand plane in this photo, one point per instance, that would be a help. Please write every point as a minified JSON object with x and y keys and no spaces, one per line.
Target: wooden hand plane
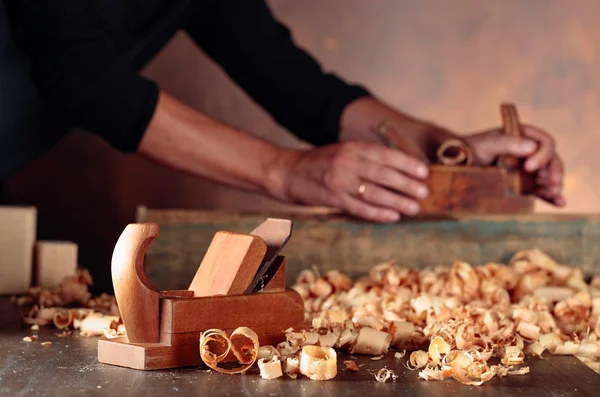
{"x":240,"y":282}
{"x":466,"y":188}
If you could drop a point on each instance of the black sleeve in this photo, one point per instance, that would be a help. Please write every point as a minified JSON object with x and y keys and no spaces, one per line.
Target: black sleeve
{"x":79,"y":72}
{"x":259,"y":54}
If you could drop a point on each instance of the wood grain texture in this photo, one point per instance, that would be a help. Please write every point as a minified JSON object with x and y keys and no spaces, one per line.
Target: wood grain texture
{"x":277,"y":309}
{"x":137,"y":299}
{"x":71,"y":367}
{"x":333,"y":242}
{"x":474,"y":190}
{"x":229,"y":265}
{"x":17,"y":239}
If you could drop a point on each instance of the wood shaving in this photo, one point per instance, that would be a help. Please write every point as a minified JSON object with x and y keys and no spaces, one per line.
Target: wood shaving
{"x":454,"y":319}
{"x":68,"y":306}
{"x":270,"y":369}
{"x":215,"y":346}
{"x":35,"y":327}
{"x":350,"y":365}
{"x":31,"y":338}
{"x":267,"y":352}
{"x":318,"y":363}
{"x":47,"y":343}
{"x":384,"y":374}
{"x":454,"y":152}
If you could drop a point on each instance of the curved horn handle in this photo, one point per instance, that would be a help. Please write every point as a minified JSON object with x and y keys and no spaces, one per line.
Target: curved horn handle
{"x":138,"y":301}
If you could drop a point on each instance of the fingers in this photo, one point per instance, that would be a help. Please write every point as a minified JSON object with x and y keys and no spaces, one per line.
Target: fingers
{"x":381,"y":197}
{"x":545,"y":151}
{"x":394,"y":159}
{"x":549,"y":182}
{"x":499,"y":145}
{"x":365,"y":210}
{"x":392,"y":179}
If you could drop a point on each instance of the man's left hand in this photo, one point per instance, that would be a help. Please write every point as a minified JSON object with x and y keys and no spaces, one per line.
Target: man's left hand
{"x":538,"y":150}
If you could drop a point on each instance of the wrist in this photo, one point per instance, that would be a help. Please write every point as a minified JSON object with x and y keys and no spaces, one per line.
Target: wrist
{"x":278,"y":170}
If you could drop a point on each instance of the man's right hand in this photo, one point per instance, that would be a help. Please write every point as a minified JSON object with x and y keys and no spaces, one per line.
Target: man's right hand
{"x":369,"y":181}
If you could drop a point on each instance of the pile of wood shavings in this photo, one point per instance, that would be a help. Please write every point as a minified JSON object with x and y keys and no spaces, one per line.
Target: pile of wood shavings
{"x":460,"y":317}
{"x":70,"y":305}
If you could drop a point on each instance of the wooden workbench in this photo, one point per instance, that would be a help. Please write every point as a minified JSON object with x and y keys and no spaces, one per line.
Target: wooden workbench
{"x":70,"y":367}
{"x":336,"y":242}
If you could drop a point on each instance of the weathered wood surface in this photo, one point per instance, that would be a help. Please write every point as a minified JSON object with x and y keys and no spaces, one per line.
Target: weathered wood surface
{"x":330,"y":241}
{"x":70,"y":367}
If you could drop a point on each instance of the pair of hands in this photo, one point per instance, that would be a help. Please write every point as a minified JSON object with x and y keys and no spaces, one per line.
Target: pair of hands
{"x":380,"y":184}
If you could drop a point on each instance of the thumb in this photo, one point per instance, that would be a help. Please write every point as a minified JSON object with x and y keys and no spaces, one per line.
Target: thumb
{"x":505,"y":145}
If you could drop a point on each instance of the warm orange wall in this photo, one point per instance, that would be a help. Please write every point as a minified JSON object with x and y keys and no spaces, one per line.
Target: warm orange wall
{"x":450,"y":61}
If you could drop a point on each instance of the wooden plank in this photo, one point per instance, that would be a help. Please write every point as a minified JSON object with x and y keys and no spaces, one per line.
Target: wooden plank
{"x":17,"y":239}
{"x":330,"y":241}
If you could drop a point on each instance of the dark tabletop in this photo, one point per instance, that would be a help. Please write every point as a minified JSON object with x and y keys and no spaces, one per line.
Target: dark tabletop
{"x":70,"y":366}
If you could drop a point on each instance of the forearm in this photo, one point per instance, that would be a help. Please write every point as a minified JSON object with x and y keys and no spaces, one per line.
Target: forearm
{"x":364,"y":114}
{"x":185,"y":139}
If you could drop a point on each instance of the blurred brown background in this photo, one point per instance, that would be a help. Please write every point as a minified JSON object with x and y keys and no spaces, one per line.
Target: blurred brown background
{"x":449,"y":61}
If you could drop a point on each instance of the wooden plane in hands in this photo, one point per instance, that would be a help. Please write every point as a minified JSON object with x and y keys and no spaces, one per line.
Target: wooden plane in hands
{"x":456,"y":186}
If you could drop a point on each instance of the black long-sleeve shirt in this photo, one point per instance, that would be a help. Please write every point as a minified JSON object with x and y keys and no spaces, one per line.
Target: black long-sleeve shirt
{"x":85,"y":56}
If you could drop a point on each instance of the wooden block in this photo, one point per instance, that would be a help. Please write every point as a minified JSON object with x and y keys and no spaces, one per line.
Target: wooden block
{"x":17,"y":239}
{"x":229,"y":264}
{"x":280,"y":309}
{"x":147,"y":356}
{"x":54,"y":260}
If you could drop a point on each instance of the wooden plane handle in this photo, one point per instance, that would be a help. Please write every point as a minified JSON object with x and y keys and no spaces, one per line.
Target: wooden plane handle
{"x":512,"y":127}
{"x":514,"y":166}
{"x":138,"y":301}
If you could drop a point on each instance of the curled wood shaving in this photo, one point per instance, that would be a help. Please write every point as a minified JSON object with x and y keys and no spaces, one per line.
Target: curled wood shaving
{"x":215,"y":347}
{"x":50,"y":307}
{"x":454,"y":152}
{"x":531,"y":306}
{"x":267,"y":352}
{"x":270,"y":369}
{"x":318,"y":363}
{"x":47,"y":343}
{"x":291,"y":366}
{"x":384,"y":374}
{"x":94,"y":324}
{"x":31,"y":338}
{"x":371,"y":341}
{"x":418,"y":359}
